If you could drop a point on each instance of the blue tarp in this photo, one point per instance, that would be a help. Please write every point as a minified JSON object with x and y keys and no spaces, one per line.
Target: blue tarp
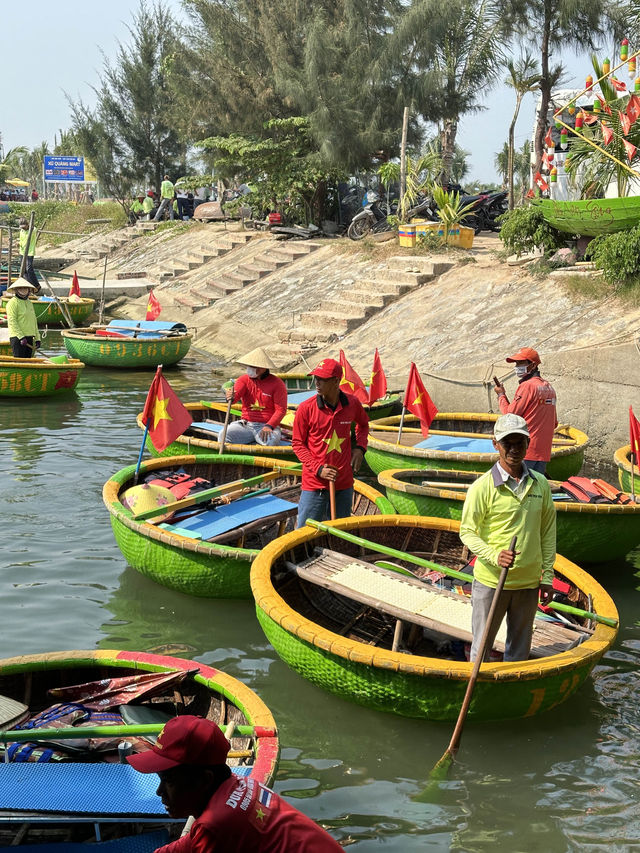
{"x":214,"y":522}
{"x":300,"y":397}
{"x":148,"y":328}
{"x":145,"y":843}
{"x":457,"y":444}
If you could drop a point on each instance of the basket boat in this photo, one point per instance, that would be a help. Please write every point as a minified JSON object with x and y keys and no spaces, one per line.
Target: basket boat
{"x":87,"y":797}
{"x":298,"y":383}
{"x":38,"y":377}
{"x":98,"y":351}
{"x":593,"y":216}
{"x":622,"y":458}
{"x":218,"y":568}
{"x":452,"y":444}
{"x":49,"y":313}
{"x":586,"y":533}
{"x":346,"y":647}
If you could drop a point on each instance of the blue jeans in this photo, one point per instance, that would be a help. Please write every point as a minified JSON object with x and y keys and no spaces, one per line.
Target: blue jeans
{"x":315,"y":504}
{"x":245,"y":432}
{"x":164,"y":204}
{"x":536,"y":465}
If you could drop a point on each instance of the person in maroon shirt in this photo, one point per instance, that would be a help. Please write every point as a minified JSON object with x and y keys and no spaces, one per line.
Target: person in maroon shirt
{"x":322,"y":442}
{"x":264,"y":401}
{"x":232,"y":814}
{"x":535,"y":401}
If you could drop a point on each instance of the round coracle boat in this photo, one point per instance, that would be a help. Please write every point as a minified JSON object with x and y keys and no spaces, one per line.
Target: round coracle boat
{"x":586,"y":533}
{"x":49,"y":312}
{"x":460,"y":440}
{"x":301,"y":385}
{"x":207,"y":551}
{"x":366,"y":633}
{"x":622,"y":458}
{"x":128,"y":352}
{"x":38,"y":377}
{"x":66,"y":784}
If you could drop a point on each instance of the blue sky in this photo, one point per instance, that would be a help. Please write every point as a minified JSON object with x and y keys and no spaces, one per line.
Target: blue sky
{"x":61,"y":52}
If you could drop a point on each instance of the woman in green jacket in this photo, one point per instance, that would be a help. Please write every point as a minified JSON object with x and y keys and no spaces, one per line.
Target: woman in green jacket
{"x":24,"y":336}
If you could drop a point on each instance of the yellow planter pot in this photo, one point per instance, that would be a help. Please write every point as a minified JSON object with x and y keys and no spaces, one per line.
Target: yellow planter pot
{"x":407,"y":235}
{"x":459,"y":235}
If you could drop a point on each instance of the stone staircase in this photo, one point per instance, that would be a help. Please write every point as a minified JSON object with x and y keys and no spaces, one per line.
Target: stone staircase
{"x":99,"y":249}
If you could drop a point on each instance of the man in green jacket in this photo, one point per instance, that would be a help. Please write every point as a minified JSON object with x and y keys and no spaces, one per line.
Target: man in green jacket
{"x":167,"y":192}
{"x":29,"y":272}
{"x":510,"y":500}
{"x":24,"y":336}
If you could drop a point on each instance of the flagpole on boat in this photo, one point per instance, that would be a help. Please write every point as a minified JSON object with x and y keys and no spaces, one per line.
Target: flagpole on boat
{"x":632,"y":456}
{"x":404,"y":409}
{"x":146,"y":429}
{"x":223,"y":435}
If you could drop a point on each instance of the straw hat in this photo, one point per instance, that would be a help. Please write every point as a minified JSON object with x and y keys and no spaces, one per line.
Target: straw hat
{"x":20,"y":282}
{"x":256,"y":358}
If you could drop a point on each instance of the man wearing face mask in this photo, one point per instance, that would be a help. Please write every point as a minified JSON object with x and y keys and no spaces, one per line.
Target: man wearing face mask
{"x":535,"y":401}
{"x":264,"y":401}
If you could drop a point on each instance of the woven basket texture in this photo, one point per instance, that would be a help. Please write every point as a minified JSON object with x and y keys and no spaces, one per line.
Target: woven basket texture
{"x":127,"y":352}
{"x":33,"y":382}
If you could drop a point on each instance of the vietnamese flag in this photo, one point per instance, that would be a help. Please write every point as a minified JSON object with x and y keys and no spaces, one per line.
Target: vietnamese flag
{"x":351,"y":382}
{"x":634,"y":435}
{"x":378,"y":384}
{"x":74,"y":290}
{"x":164,"y":415}
{"x":548,"y":140}
{"x":153,"y":307}
{"x":418,"y":401}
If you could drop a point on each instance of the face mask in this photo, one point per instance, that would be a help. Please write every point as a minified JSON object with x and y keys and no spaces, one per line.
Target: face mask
{"x":521,"y":370}
{"x":253,"y":372}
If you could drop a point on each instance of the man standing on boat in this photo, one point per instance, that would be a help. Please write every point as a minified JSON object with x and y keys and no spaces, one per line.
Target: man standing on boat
{"x":167,"y":192}
{"x":322,"y":442}
{"x":30,"y":251}
{"x":231,"y":812}
{"x":264,"y":401}
{"x":24,"y":336}
{"x":510,"y":500}
{"x":535,"y":401}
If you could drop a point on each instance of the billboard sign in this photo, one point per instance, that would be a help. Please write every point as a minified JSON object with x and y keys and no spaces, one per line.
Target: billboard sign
{"x":59,"y":170}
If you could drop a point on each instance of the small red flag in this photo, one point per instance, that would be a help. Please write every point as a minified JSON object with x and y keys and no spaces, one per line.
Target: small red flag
{"x":590,"y":118}
{"x":607,"y":134}
{"x":418,"y":401}
{"x":634,"y":435}
{"x":153,"y":307}
{"x":618,"y":85}
{"x":530,"y":194}
{"x":540,"y":182}
{"x":74,"y":290}
{"x":633,"y":108}
{"x":630,"y":149}
{"x":605,"y":106}
{"x":625,"y":122}
{"x":164,"y":413}
{"x":548,"y":140}
{"x":378,"y":384}
{"x":351,"y":382}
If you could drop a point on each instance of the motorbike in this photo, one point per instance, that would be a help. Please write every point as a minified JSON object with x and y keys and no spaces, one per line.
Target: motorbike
{"x":495,"y":205}
{"x":372,"y":218}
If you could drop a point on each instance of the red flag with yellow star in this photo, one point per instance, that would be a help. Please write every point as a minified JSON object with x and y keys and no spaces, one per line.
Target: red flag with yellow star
{"x":74,"y":290}
{"x":153,"y":307}
{"x":634,"y":435}
{"x":164,"y":414}
{"x":351,"y":382}
{"x":378,"y":384}
{"x":418,"y":401}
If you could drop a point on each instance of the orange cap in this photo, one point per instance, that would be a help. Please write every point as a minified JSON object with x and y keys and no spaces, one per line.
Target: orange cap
{"x":525,"y":354}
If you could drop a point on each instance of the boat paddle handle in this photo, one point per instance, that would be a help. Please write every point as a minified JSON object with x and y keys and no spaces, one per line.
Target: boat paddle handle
{"x":70,"y":732}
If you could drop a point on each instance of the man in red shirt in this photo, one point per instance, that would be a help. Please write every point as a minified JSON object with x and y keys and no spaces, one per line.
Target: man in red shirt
{"x":232,"y":814}
{"x":264,"y":401}
{"x":535,"y":401}
{"x":322,"y":442}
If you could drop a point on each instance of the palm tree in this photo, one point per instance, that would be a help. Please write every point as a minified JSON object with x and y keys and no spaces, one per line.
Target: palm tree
{"x":523,"y":77}
{"x":501,"y":162}
{"x":11,"y":161}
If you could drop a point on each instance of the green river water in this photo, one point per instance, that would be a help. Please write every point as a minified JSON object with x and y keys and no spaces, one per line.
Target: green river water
{"x":568,"y":780}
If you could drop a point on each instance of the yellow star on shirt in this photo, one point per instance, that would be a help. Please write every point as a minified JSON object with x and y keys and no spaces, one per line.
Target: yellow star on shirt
{"x":160,"y":412}
{"x":256,"y":406}
{"x":334,"y":443}
{"x":259,"y":813}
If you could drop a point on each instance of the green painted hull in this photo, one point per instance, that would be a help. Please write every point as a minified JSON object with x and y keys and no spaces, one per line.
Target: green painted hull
{"x":126,"y":352}
{"x":177,"y":448}
{"x":591,"y":217}
{"x":50,"y":313}
{"x":38,"y":380}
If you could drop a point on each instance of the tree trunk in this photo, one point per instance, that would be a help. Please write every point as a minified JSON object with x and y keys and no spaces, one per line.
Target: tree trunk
{"x":511,"y":151}
{"x":448,"y":139}
{"x":545,"y":86}
{"x":403,"y":154}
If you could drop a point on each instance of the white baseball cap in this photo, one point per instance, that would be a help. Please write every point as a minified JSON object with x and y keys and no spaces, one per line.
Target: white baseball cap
{"x":508,"y":425}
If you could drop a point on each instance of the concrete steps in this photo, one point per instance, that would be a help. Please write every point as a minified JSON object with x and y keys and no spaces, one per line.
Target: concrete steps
{"x":314,"y":338}
{"x":191,"y":300}
{"x":339,"y":322}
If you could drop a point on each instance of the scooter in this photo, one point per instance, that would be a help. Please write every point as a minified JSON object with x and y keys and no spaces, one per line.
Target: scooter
{"x":370,"y":219}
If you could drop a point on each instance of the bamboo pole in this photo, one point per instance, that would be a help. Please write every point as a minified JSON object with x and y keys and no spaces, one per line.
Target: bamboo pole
{"x":23,"y":260}
{"x":10,"y":259}
{"x":403,"y":154}
{"x":72,"y":732}
{"x":104,"y":281}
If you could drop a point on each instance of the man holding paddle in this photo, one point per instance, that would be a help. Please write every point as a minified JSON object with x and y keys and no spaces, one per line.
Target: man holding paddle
{"x":264,"y":402}
{"x":322,"y":442}
{"x":510,"y":500}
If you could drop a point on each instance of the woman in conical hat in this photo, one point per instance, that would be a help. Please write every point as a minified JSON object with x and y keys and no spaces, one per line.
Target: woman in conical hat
{"x":24,"y":336}
{"x":264,"y":401}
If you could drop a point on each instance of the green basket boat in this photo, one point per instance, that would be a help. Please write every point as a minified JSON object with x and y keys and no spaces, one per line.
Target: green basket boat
{"x":622,"y":458}
{"x":384,"y":453}
{"x":38,"y":377}
{"x":205,"y":691}
{"x":593,"y":216}
{"x":586,"y":533}
{"x":384,"y":408}
{"x":220,"y":568}
{"x":49,"y":312}
{"x":346,"y":648}
{"x":129,"y":353}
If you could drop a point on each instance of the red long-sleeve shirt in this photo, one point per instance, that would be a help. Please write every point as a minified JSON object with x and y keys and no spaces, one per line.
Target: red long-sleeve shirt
{"x":245,"y":817}
{"x":322,"y":436}
{"x":535,"y":401}
{"x":264,"y":400}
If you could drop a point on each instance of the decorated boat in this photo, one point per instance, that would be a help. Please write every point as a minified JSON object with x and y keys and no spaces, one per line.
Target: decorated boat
{"x":204,"y":549}
{"x":56,"y":789}
{"x":129,"y":344}
{"x":377,"y":636}
{"x":50,"y":313}
{"x":460,"y":440}
{"x":38,"y":377}
{"x":593,"y":216}
{"x":586,"y":532}
{"x":622,"y":458}
{"x":300,"y":386}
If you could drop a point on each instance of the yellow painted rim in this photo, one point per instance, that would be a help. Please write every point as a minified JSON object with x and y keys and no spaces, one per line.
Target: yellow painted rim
{"x":621,"y":458}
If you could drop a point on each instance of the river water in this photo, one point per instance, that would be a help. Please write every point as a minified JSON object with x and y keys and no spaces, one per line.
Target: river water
{"x":568,"y":780}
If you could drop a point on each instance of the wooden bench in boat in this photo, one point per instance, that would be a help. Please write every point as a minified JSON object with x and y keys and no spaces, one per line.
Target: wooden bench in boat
{"x":415,"y":602}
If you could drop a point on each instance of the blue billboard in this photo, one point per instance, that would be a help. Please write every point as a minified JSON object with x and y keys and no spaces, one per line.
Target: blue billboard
{"x":64,"y":169}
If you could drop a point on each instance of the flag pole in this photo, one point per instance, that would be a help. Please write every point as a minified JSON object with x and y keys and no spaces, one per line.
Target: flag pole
{"x":632,"y":456}
{"x":404,"y":408}
{"x":146,"y":431}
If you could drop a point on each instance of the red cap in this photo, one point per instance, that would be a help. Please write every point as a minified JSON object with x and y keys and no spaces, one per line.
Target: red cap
{"x":183,"y":740}
{"x":328,"y":368}
{"x":525,"y":354}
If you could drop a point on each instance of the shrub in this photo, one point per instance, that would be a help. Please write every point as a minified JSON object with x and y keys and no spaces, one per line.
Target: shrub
{"x":524,"y":229}
{"x":64,"y":216}
{"x":617,"y":255}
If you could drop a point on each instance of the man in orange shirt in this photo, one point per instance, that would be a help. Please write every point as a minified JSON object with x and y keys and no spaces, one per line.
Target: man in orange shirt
{"x":535,"y":401}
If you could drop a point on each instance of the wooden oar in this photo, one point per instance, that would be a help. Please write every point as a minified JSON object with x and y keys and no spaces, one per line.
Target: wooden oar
{"x":332,"y":499}
{"x":70,"y":732}
{"x":436,"y":567}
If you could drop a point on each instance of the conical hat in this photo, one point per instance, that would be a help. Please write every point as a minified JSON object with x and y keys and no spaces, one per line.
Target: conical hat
{"x":256,"y":358}
{"x":20,"y":282}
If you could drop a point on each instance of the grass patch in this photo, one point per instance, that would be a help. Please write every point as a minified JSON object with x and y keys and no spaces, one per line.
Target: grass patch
{"x":66,"y":217}
{"x":595,"y":288}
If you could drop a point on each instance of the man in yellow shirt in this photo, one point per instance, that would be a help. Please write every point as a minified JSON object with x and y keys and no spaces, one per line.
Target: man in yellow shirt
{"x":29,"y":272}
{"x":24,"y":336}
{"x":167,"y":192}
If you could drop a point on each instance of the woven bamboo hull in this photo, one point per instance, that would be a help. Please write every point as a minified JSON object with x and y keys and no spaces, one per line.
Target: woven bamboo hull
{"x":204,"y":569}
{"x":592,"y":217}
{"x":5,"y":349}
{"x":586,"y":533}
{"x":34,"y":377}
{"x":127,"y":353}
{"x":383,"y":453}
{"x":50,"y":313}
{"x":622,"y":458}
{"x":406,"y":684}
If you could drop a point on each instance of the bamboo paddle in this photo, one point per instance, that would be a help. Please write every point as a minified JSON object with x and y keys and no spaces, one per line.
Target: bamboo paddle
{"x":427,"y":564}
{"x":332,"y":499}
{"x":70,"y":732}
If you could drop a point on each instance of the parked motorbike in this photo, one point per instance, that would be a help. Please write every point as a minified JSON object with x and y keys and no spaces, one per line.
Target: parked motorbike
{"x":495,"y":205}
{"x":372,"y":218}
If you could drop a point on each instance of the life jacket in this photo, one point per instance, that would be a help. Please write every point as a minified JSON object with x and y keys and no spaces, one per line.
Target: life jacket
{"x":581,"y":489}
{"x":179,"y":483}
{"x":612,"y":493}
